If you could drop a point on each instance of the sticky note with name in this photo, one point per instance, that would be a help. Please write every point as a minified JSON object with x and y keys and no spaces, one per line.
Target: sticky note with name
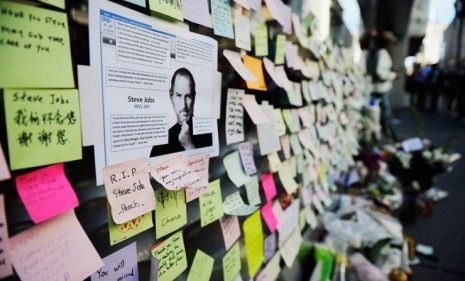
{"x":222,"y":21}
{"x":5,"y":256}
{"x":253,"y":238}
{"x":171,"y":257}
{"x":171,"y":211}
{"x":66,"y":245}
{"x":171,"y":8}
{"x":35,"y":52}
{"x":211,"y":204}
{"x":232,"y":263}
{"x":121,"y":265}
{"x":46,"y":193}
{"x":202,"y":266}
{"x":121,"y":232}
{"x":230,"y":229}
{"x":128,"y":190}
{"x":43,"y":126}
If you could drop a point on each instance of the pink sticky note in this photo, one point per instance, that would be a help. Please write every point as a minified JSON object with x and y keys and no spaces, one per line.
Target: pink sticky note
{"x":269,"y":217}
{"x":269,"y":186}
{"x":46,"y":192}
{"x":231,"y":230}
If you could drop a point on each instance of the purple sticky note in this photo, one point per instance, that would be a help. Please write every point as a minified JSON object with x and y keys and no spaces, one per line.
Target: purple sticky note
{"x":121,"y":265}
{"x":270,"y":246}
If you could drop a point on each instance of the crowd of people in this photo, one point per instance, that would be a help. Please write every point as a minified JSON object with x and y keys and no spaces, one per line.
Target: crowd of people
{"x":433,"y":86}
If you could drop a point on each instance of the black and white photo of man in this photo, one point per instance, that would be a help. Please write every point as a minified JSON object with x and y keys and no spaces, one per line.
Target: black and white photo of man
{"x":180,"y":136}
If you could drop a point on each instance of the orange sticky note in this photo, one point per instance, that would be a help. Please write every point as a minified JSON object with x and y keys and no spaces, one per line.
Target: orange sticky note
{"x":255,"y":66}
{"x":46,"y":192}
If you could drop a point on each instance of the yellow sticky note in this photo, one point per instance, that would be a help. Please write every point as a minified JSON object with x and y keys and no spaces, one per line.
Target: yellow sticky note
{"x":279,"y":51}
{"x":253,"y":238}
{"x":171,"y":8}
{"x":261,"y":40}
{"x":57,"y":3}
{"x":170,"y":213}
{"x":43,"y":127}
{"x":201,"y":268}
{"x":211,"y":204}
{"x":121,"y":232}
{"x":232,"y":263}
{"x":34,"y":48}
{"x":256,"y":67}
{"x":171,"y":257}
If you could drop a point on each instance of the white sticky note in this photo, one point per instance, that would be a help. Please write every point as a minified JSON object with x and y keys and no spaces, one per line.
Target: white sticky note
{"x":197,"y":11}
{"x":246,"y":152}
{"x":268,"y":137}
{"x":68,"y":255}
{"x":233,"y":166}
{"x":235,"y":60}
{"x":242,"y":30}
{"x":254,"y":110}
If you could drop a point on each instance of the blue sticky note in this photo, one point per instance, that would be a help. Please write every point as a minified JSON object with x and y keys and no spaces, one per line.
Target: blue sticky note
{"x":222,"y":21}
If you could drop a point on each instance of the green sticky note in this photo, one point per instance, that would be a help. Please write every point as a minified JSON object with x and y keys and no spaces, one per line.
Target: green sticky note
{"x":121,"y":232}
{"x":171,"y":257}
{"x":201,"y":268}
{"x":222,"y":20}
{"x":287,"y":115}
{"x":232,"y":263}
{"x":302,"y":221}
{"x":279,"y":51}
{"x":170,"y":8}
{"x":254,"y":245}
{"x":34,"y":48}
{"x":211,"y":204}
{"x":324,"y":256}
{"x":57,"y":3}
{"x":43,"y":127}
{"x":261,"y":40}
{"x":170,"y":213}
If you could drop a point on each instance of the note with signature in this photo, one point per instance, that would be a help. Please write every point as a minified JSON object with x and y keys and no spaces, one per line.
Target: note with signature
{"x":121,"y":232}
{"x":175,"y":174}
{"x":128,"y":190}
{"x":198,"y":164}
{"x":46,"y":192}
{"x":54,"y":249}
{"x":171,"y":257}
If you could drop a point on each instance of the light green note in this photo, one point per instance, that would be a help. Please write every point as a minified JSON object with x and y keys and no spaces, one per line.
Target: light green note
{"x":171,"y":257}
{"x":201,"y":268}
{"x":232,"y":263}
{"x":279,"y":51}
{"x":57,"y":3}
{"x":170,"y":213}
{"x":121,"y":232}
{"x":34,"y":48}
{"x":171,"y":8}
{"x":43,"y":127}
{"x":261,"y":40}
{"x":211,"y":204}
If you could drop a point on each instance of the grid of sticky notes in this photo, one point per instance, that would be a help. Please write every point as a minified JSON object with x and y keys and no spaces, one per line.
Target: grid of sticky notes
{"x":299,"y":138}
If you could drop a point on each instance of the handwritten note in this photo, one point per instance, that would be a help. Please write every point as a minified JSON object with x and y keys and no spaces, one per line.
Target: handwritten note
{"x":5,"y":256}
{"x":235,"y":60}
{"x":233,"y":166}
{"x":290,"y":248}
{"x":42,"y":123}
{"x":121,"y":265}
{"x":197,"y":11}
{"x":254,"y":110}
{"x":253,"y":238}
{"x":128,"y":190}
{"x":270,"y":246}
{"x":174,"y":174}
{"x":211,"y":204}
{"x":54,"y":249}
{"x":252,"y":189}
{"x":268,"y":137}
{"x":199,"y":165}
{"x":232,"y":263}
{"x":222,"y":21}
{"x":261,"y":40}
{"x":242,"y":30}
{"x":4,"y":171}
{"x":256,"y":67}
{"x":46,"y":193}
{"x":202,"y":266}
{"x":230,"y":229}
{"x":171,"y":256}
{"x":36,"y":38}
{"x":234,"y":205}
{"x":171,"y":211}
{"x":121,"y":232}
{"x":234,"y":116}
{"x":269,"y":217}
{"x":279,"y":50}
{"x":170,"y":8}
{"x":246,"y":152}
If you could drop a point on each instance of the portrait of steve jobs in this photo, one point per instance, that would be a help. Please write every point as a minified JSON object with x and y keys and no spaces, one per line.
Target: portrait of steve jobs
{"x":180,"y":136}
